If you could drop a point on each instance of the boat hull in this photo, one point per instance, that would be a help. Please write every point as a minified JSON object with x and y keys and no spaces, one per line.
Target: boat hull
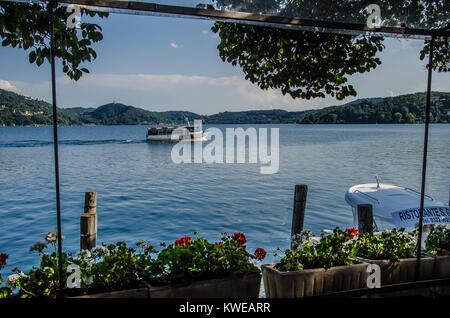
{"x":200,"y":136}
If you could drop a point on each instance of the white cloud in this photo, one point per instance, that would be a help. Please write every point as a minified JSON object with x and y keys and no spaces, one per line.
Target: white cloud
{"x":6,"y":85}
{"x":391,"y":93}
{"x":234,"y":90}
{"x":211,"y":34}
{"x":174,"y":45}
{"x":200,"y":94}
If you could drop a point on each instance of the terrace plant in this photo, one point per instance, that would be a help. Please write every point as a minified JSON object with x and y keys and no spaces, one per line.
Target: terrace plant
{"x":438,"y":241}
{"x":388,"y":245}
{"x":331,"y":250}
{"x":118,"y":267}
{"x":103,"y":269}
{"x":115,"y":267}
{"x":316,"y":266}
{"x":196,"y":259}
{"x":42,"y":281}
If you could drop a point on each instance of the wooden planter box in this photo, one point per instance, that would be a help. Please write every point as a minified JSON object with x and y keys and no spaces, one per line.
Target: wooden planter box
{"x":403,"y":271}
{"x":442,"y":267}
{"x":313,"y":282}
{"x":128,"y":293}
{"x":441,"y":270}
{"x":244,"y":287}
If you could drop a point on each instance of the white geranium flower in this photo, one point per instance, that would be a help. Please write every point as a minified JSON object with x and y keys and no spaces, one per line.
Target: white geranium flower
{"x":52,"y":237}
{"x":83,"y":254}
{"x":314,"y":240}
{"x":100,"y":251}
{"x":11,"y":281}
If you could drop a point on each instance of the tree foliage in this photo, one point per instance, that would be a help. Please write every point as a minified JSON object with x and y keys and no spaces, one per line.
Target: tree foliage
{"x":311,"y":64}
{"x":300,"y":63}
{"x":27,"y":26}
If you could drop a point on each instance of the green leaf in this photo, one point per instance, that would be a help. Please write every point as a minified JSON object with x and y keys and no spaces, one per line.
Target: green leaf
{"x":6,"y":42}
{"x":32,"y":57}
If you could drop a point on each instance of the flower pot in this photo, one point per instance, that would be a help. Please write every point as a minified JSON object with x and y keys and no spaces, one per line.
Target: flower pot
{"x":441,"y":270}
{"x":127,"y":293}
{"x":442,"y":267}
{"x":231,"y":287}
{"x":313,"y":282}
{"x":404,"y":270}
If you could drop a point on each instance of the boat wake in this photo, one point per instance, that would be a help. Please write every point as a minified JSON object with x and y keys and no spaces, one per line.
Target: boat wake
{"x":46,"y":143}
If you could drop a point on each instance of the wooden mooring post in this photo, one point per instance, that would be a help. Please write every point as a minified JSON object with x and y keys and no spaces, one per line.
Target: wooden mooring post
{"x":88,"y":222}
{"x":298,"y":213}
{"x":365,"y":218}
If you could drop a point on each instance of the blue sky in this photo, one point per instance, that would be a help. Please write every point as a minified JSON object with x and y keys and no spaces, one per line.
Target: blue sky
{"x":165,"y":63}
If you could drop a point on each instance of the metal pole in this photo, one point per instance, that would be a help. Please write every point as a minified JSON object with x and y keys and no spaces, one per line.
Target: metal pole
{"x":55,"y":148}
{"x":425,"y":152}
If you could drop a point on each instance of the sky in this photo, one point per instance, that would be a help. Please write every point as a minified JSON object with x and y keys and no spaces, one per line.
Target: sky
{"x":166,"y":63}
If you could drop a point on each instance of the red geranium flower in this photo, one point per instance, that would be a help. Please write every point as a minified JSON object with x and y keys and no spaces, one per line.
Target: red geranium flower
{"x":3,"y":258}
{"x":351,"y":233}
{"x":240,"y":237}
{"x":183,"y":241}
{"x":260,"y":254}
{"x":219,"y":243}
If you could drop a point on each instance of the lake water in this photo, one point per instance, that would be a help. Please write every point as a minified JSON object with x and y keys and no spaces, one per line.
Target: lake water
{"x":142,"y":194}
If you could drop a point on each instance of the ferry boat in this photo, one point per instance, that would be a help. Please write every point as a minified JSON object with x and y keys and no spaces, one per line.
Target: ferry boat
{"x":176,"y":133}
{"x":396,"y":206}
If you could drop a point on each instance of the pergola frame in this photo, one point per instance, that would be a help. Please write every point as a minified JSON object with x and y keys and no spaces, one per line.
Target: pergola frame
{"x":242,"y":17}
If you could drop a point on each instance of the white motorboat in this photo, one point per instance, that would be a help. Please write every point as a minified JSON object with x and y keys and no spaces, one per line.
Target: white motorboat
{"x":395,"y":206}
{"x":186,"y":133}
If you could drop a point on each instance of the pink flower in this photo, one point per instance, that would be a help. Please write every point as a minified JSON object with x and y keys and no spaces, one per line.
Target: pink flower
{"x":183,"y":241}
{"x":3,"y":258}
{"x":240,"y":237}
{"x":351,"y":233}
{"x":260,"y":254}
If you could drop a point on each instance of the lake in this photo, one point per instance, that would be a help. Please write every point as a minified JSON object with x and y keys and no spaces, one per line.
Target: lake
{"x":143,"y":194}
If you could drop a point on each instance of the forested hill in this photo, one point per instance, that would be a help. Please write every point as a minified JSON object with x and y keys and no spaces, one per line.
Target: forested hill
{"x":19,"y":110}
{"x":400,"y":109}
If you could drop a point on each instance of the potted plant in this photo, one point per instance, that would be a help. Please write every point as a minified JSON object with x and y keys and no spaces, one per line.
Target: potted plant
{"x":113,"y":271}
{"x":187,"y":268}
{"x":437,"y":244}
{"x":395,"y":252}
{"x":193,"y":268}
{"x":316,"y":267}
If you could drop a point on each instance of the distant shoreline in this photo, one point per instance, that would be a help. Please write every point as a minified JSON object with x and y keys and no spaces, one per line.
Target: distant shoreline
{"x":321,"y":124}
{"x":20,"y":110}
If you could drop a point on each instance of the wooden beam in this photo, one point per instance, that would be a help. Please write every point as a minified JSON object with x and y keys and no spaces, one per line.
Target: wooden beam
{"x":234,"y":16}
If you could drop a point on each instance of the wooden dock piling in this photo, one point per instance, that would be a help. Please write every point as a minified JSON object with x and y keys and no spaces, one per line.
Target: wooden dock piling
{"x":88,"y":222}
{"x":365,"y":218}
{"x":298,"y":213}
